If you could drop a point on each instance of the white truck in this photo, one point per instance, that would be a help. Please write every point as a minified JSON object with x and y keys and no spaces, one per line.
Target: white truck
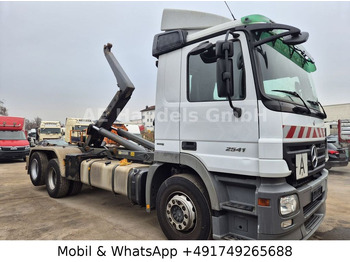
{"x":49,"y":130}
{"x":239,"y":148}
{"x":75,"y":129}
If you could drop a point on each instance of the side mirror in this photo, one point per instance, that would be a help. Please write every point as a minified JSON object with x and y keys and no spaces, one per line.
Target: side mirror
{"x":224,"y":68}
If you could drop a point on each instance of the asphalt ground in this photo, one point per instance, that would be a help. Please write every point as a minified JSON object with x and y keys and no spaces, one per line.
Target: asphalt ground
{"x":28,"y":213}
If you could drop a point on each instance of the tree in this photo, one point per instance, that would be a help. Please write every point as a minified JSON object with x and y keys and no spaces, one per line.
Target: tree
{"x":3,"y":109}
{"x":37,"y":122}
{"x":33,"y":124}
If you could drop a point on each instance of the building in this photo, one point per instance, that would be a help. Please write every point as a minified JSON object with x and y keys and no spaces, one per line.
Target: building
{"x":135,"y":122}
{"x":147,"y":116}
{"x":335,"y":112}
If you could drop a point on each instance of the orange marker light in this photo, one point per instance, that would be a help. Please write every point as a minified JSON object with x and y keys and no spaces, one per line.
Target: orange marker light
{"x":264,"y":202}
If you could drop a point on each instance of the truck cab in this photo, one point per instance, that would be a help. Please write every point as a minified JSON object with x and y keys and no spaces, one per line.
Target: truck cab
{"x":257,"y":143}
{"x":75,"y":129}
{"x":49,"y":130}
{"x":13,"y":141}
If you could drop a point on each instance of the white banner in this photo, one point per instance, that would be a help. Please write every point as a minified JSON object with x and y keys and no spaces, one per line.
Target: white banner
{"x":154,"y":251}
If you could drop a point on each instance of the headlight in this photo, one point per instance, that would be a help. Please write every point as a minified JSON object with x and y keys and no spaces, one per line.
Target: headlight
{"x":0,"y":148}
{"x":289,"y":204}
{"x":27,"y":148}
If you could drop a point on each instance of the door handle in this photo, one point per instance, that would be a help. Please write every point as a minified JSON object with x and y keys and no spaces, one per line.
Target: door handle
{"x":188,"y":145}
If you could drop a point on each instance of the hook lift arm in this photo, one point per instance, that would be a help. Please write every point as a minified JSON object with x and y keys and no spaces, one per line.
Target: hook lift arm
{"x":97,"y":132}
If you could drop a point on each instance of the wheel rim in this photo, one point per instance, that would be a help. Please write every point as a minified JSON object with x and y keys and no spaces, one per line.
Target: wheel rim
{"x":34,"y":169}
{"x":180,"y":212}
{"x":52,"y":177}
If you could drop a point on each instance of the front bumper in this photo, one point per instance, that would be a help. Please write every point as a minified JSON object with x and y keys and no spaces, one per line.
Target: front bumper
{"x":312,"y":210}
{"x":16,"y":154}
{"x":250,"y":221}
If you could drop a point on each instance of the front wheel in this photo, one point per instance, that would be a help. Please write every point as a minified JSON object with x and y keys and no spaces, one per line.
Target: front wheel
{"x":183,"y":208}
{"x":56,"y":185}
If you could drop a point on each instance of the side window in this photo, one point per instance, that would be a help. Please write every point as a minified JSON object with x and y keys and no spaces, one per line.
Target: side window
{"x":202,"y":76}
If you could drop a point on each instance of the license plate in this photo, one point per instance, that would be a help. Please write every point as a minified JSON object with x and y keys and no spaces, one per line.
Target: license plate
{"x":316,"y":193}
{"x":301,"y":168}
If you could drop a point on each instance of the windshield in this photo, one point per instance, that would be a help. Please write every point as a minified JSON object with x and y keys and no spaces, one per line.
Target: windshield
{"x":50,"y":130}
{"x":332,"y":146}
{"x":12,"y":135}
{"x":284,"y":72}
{"x":56,"y":142}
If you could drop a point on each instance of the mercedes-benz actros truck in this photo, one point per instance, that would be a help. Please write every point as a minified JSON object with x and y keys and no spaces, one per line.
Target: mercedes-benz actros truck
{"x":240,"y":144}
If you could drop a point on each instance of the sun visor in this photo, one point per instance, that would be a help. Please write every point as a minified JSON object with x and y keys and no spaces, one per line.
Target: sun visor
{"x":174,"y":19}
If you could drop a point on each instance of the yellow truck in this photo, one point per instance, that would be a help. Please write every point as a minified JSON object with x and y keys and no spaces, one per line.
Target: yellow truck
{"x":75,"y":130}
{"x":49,"y":130}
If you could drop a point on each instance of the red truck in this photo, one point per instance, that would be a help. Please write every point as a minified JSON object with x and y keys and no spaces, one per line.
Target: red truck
{"x":13,"y":141}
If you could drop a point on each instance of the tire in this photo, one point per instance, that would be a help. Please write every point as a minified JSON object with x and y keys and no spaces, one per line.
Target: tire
{"x":38,"y":168}
{"x":74,"y":188}
{"x":56,"y":185}
{"x":183,"y":208}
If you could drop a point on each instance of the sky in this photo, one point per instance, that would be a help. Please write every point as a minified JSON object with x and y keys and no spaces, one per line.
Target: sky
{"x":52,"y":63}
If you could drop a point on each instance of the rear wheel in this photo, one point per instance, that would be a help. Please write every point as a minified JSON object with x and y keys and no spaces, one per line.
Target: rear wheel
{"x":56,"y":185}
{"x":38,"y":168}
{"x":183,"y":208}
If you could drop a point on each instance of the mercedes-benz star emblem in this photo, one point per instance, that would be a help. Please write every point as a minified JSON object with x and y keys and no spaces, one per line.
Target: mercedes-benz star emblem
{"x":314,"y":159}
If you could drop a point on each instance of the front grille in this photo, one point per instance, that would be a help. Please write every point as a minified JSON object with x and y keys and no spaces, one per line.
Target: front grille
{"x":312,"y":222}
{"x":289,"y":154}
{"x":312,"y":205}
{"x":8,"y":149}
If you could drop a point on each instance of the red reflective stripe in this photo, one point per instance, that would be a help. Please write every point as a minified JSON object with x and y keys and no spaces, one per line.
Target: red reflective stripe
{"x":291,"y":132}
{"x":308,"y":132}
{"x":301,"y":132}
{"x":304,"y":132}
{"x":319,"y":132}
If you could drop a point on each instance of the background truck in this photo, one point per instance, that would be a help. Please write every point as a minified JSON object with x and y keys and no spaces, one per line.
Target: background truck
{"x":75,"y":129}
{"x":13,"y":141}
{"x":32,"y":137}
{"x":239,"y":148}
{"x":49,"y":130}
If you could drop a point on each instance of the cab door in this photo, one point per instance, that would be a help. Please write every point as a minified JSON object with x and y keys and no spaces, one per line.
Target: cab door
{"x":208,"y":128}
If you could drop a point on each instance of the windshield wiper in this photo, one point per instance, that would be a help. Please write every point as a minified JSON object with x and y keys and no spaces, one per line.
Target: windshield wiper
{"x":294,"y":94}
{"x":317,"y":103}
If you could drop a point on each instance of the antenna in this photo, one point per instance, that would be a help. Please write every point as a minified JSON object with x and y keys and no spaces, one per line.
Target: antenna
{"x":230,"y":11}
